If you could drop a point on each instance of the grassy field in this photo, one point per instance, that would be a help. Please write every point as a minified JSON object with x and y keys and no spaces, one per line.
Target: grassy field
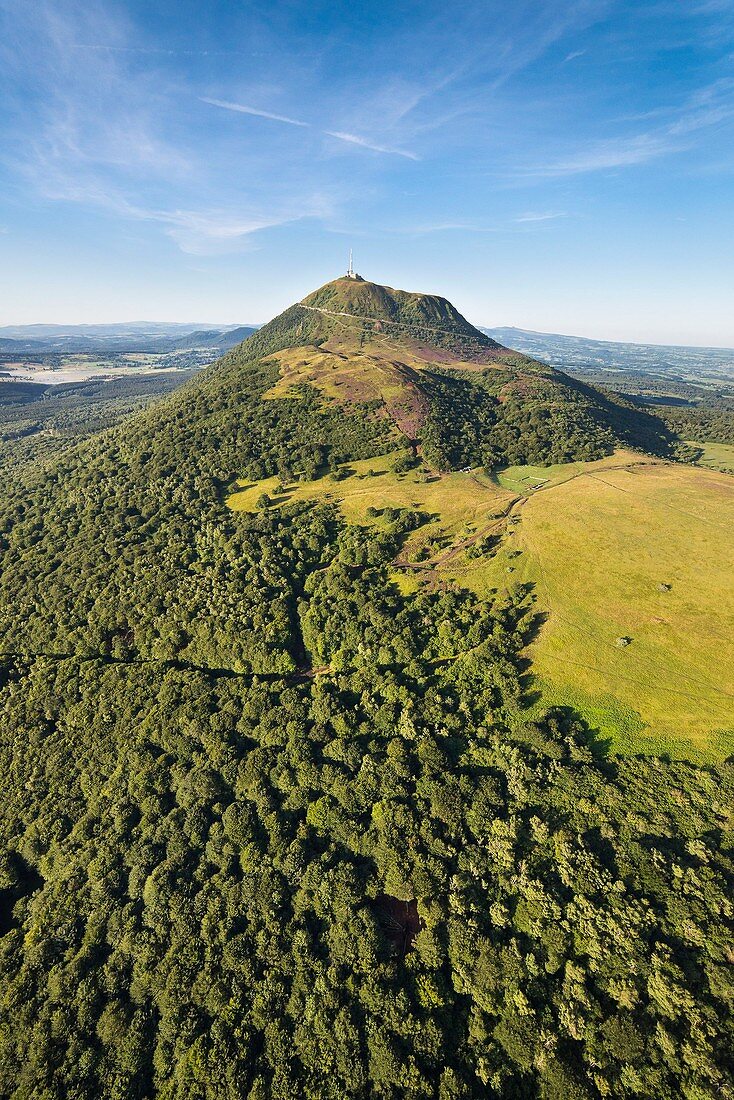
{"x":622,"y":548}
{"x":458,"y":504}
{"x":716,"y":456}
{"x":529,"y":479}
{"x":642,"y":554}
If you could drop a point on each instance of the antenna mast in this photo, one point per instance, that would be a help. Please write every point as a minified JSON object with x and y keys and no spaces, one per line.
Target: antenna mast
{"x":350,"y":272}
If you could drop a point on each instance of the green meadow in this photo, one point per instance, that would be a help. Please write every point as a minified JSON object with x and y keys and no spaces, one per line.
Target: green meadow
{"x":629,"y":561}
{"x":631,"y":569}
{"x":457,"y":504}
{"x":716,"y":456}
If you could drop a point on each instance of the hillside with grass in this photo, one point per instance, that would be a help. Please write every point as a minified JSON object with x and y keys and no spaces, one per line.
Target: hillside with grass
{"x":362,"y":734}
{"x":413,"y":361}
{"x":620,"y":639}
{"x":360,"y":298}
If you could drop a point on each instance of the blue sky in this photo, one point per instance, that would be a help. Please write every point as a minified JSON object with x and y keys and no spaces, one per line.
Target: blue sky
{"x":567,"y":167}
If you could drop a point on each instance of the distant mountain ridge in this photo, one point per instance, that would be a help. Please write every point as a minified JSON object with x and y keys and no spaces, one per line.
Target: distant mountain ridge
{"x":360,"y":297}
{"x":580,"y":352}
{"x":151,"y":337}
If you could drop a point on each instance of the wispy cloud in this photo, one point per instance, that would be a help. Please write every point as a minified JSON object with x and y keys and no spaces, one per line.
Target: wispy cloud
{"x":617,"y":153}
{"x":243,"y":109}
{"x":707,"y":108}
{"x":99,"y":47}
{"x":198,"y":232}
{"x":340,"y":135}
{"x":426,"y":228}
{"x":95,"y":137}
{"x":573,"y":55}
{"x":513,"y":225}
{"x":211,"y":232}
{"x":525,"y":219}
{"x":365,"y":143}
{"x":552,"y":22}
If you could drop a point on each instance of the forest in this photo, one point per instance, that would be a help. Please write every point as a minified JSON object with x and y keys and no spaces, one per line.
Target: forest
{"x":273,"y":828}
{"x":38,"y":422}
{"x":710,"y":422}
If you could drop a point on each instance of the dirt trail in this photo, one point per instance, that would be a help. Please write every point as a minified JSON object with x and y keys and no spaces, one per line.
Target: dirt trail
{"x":301,"y":672}
{"x":498,"y":522}
{"x":490,"y":529}
{"x":396,"y":324}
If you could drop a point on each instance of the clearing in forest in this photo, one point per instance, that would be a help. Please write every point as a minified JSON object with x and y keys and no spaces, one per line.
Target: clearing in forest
{"x":629,"y":559}
{"x":457,"y":505}
{"x":716,"y":456}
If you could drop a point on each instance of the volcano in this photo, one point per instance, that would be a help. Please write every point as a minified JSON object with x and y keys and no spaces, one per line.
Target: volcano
{"x":283,"y":814}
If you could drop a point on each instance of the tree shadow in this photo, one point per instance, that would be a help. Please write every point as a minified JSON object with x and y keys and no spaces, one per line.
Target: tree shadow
{"x":26,"y":880}
{"x":599,"y":744}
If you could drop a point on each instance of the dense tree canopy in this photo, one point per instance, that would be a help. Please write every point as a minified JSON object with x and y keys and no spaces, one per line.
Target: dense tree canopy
{"x":194,"y":865}
{"x":498,"y":418}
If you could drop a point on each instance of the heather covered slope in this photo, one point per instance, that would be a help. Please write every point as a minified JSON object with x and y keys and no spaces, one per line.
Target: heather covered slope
{"x":413,"y":360}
